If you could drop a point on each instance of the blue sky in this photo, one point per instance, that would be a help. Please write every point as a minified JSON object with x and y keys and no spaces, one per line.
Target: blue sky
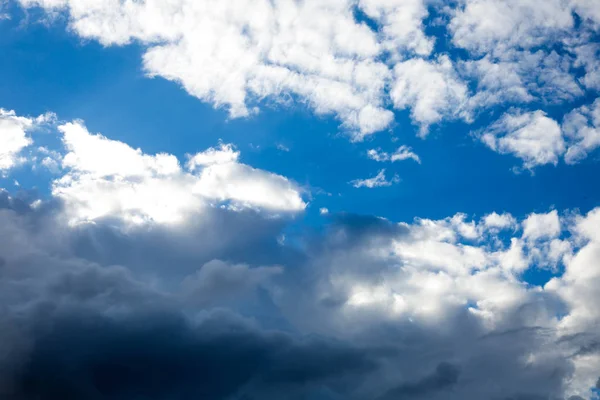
{"x":253,"y":191}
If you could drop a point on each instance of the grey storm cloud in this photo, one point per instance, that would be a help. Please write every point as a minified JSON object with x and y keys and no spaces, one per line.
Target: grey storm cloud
{"x":98,"y":312}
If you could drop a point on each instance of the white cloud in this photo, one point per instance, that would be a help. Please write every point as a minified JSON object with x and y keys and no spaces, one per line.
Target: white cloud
{"x":225,"y":154}
{"x":532,"y":137}
{"x":137,"y":187}
{"x":402,"y":153}
{"x":233,"y":53}
{"x":378,"y":180}
{"x":239,"y":54}
{"x":13,"y":138}
{"x":323,"y":211}
{"x":538,"y":226}
{"x":588,"y":57}
{"x":378,"y":155}
{"x":431,"y":89}
{"x":495,"y":25}
{"x":499,"y":221}
{"x":402,"y":24}
{"x":515,"y":76}
{"x":582,"y":129}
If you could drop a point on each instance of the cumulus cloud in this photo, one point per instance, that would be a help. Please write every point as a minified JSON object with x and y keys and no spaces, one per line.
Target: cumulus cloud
{"x":216,"y":279}
{"x":431,"y":89}
{"x":402,"y":24}
{"x":234,"y":54}
{"x":378,"y":180}
{"x":356,"y":60}
{"x":582,"y":128}
{"x":532,"y":137}
{"x":137,"y":187}
{"x":492,"y":25}
{"x":538,"y":226}
{"x":370,"y":309}
{"x":13,"y":138}
{"x":514,"y":77}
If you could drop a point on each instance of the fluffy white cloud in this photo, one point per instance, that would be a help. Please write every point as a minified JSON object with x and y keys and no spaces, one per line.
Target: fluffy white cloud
{"x":494,"y":25}
{"x":522,"y":77}
{"x":431,"y":89}
{"x":108,"y":178}
{"x":239,"y":54}
{"x":499,"y":221}
{"x":378,"y":180}
{"x":532,"y":137}
{"x":582,"y":128}
{"x":538,"y":226}
{"x":13,"y":138}
{"x":402,"y":153}
{"x":233,"y":53}
{"x":588,"y":57}
{"x":402,"y":24}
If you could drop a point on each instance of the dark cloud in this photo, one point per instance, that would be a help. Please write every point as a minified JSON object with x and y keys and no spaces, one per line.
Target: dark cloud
{"x":443,"y":378}
{"x":101,"y":312}
{"x":76,"y":355}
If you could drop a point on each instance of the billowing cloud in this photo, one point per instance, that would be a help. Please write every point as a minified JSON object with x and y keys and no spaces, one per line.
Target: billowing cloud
{"x":370,"y":309}
{"x":14,"y":137}
{"x":487,"y":25}
{"x":137,"y":187}
{"x":532,"y":137}
{"x":432,"y":90}
{"x":582,"y":127}
{"x":358,"y":60}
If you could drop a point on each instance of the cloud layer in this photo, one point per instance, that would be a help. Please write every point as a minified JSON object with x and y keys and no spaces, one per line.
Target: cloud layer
{"x":113,"y":290}
{"x":359,"y":61}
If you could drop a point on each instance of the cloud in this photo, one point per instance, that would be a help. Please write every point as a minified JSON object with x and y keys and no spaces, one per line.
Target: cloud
{"x":538,"y":226}
{"x":499,"y":221}
{"x":402,"y":153}
{"x":217,"y":279}
{"x":582,"y":128}
{"x":494,"y":25}
{"x":402,"y":24}
{"x":137,"y":187}
{"x":158,"y":355}
{"x":378,"y":180}
{"x":356,"y":61}
{"x":445,"y":376}
{"x":369,"y":308}
{"x":521,"y":77}
{"x":235,"y":54}
{"x":532,"y":137}
{"x":13,"y":138}
{"x":431,"y":89}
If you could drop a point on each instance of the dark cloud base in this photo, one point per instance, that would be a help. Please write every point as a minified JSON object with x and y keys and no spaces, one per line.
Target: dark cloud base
{"x":79,"y":319}
{"x":162,"y":356}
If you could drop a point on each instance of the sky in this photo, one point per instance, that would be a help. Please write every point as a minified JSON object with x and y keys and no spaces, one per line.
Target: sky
{"x":300,"y":199}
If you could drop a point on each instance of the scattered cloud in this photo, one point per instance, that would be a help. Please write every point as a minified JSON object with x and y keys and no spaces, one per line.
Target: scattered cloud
{"x":431,"y":89}
{"x":402,"y":153}
{"x":13,"y":138}
{"x":378,"y":180}
{"x":137,"y":187}
{"x":532,"y":137}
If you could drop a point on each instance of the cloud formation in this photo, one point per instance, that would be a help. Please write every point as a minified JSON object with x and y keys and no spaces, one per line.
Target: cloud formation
{"x":360,"y":61}
{"x":137,"y":187}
